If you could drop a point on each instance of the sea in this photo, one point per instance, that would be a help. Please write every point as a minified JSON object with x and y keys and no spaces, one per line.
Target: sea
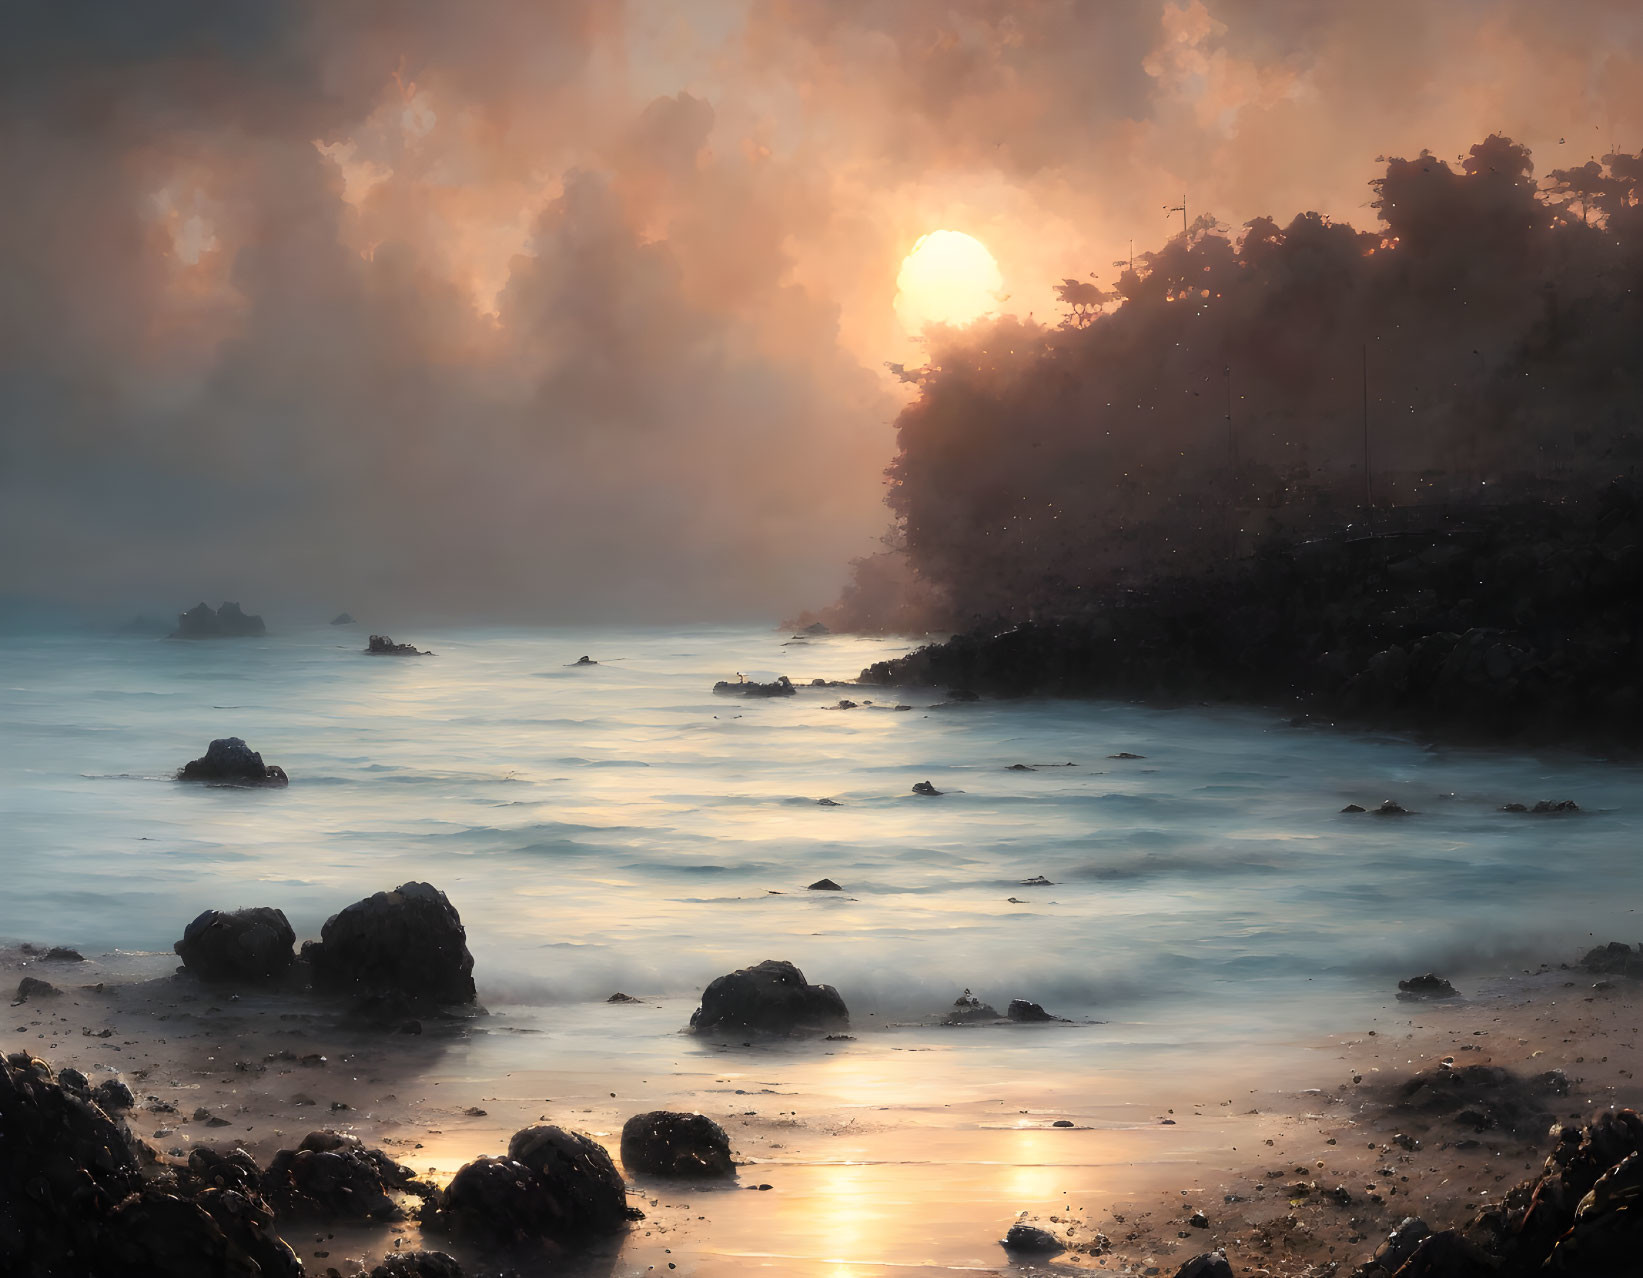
{"x":619,"y":826}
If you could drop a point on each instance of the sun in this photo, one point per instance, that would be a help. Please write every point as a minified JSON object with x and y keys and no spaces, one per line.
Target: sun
{"x":948,"y":278}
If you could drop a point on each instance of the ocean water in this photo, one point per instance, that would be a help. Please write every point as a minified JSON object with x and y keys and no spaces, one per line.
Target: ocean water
{"x":620,"y":827}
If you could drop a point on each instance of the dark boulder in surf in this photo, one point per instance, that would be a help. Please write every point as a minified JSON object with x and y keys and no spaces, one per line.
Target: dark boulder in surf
{"x":968,"y":1010}
{"x":332,"y":1176}
{"x":227,"y":622}
{"x":824,"y":885}
{"x":781,"y":686}
{"x":554,"y":1187}
{"x":924,"y":787}
{"x":407,"y":944}
{"x":383,"y":646}
{"x":1614,"y":959}
{"x":687,"y":1146}
{"x":1031,"y":1240}
{"x":254,"y":945}
{"x":770,"y":998}
{"x":584,"y":660}
{"x":1426,"y":986}
{"x":229,"y":761}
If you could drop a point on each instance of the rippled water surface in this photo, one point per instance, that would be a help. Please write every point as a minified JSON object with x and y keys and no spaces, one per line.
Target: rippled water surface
{"x":620,"y":827}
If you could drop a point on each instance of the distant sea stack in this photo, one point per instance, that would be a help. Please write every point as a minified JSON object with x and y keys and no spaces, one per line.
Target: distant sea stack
{"x":383,"y":646}
{"x":227,"y":622}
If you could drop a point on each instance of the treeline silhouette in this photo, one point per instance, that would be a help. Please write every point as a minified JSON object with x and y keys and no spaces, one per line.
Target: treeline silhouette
{"x":1479,"y":346}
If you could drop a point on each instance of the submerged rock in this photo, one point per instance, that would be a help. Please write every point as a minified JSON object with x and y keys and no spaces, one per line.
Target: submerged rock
{"x":1030,"y":1238}
{"x":584,"y":660}
{"x":782,"y":686}
{"x":228,"y":622}
{"x":665,"y":1143}
{"x":255,"y":945}
{"x":383,"y":646}
{"x":408,"y":943}
{"x":770,"y":998}
{"x":1427,"y":986}
{"x":229,"y":761}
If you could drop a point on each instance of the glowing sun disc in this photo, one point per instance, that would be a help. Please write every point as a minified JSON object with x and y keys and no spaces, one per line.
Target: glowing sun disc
{"x":948,"y":278}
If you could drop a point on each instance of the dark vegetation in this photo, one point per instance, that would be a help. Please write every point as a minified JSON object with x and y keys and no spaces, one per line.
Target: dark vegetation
{"x":1167,"y":494}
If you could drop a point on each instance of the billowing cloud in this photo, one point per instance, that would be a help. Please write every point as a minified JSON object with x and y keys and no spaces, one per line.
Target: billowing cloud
{"x":578,"y":309}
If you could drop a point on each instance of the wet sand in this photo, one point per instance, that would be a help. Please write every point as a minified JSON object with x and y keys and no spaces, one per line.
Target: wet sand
{"x":905,"y":1150}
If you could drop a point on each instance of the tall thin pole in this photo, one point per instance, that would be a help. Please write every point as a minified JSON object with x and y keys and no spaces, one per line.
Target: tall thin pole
{"x":1368,"y":501}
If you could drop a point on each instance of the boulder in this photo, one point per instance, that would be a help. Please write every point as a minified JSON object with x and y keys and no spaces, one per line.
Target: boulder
{"x":1391,"y":807}
{"x":1425,"y":987}
{"x":112,"y":1096}
{"x":63,"y":1167}
{"x":160,"y":1231}
{"x":664,"y":1143}
{"x":29,"y":988}
{"x":584,"y":660}
{"x":1025,"y":1012}
{"x":229,"y":761}
{"x":253,"y":945}
{"x":924,"y":787}
{"x":406,"y":944}
{"x":771,"y":998}
{"x":417,"y":1264}
{"x":1351,"y":807}
{"x":62,"y":954}
{"x":227,"y":622}
{"x":554,"y":1186}
{"x":332,"y":1176}
{"x":1614,"y":959}
{"x":383,"y":646}
{"x":824,"y":885}
{"x":1032,"y":1240}
{"x":1554,"y":807}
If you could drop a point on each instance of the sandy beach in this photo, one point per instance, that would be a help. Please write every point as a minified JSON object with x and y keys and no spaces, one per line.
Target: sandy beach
{"x":1290,"y":1164}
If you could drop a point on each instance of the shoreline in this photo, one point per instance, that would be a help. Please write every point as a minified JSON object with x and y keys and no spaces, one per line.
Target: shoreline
{"x":864,"y":1182}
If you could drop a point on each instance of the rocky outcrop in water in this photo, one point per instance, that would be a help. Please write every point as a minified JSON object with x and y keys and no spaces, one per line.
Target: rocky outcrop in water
{"x":227,"y":622}
{"x":253,"y":945}
{"x":229,"y":761}
{"x":383,"y":646}
{"x":1428,"y":986}
{"x":1614,"y":959}
{"x":554,"y":1187}
{"x":769,"y":998}
{"x":687,"y":1146}
{"x":1520,"y":621}
{"x":778,"y":687}
{"x":408,"y":945}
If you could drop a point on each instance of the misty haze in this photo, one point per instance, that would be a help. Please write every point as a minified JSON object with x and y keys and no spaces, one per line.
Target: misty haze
{"x":821,"y":639}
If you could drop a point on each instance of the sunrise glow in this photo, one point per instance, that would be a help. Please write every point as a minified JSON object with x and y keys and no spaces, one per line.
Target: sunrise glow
{"x":948,"y":278}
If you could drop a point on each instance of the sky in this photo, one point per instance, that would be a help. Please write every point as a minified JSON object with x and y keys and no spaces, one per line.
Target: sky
{"x":580,"y":310}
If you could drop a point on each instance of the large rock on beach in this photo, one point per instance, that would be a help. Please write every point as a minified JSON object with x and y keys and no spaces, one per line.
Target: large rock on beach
{"x":408,"y":944}
{"x":254,"y":945}
{"x":554,"y":1187}
{"x":770,"y":998}
{"x":227,"y":622}
{"x":72,"y":1203}
{"x":1031,"y":1240}
{"x":332,"y":1176}
{"x":1614,"y":959}
{"x":665,"y":1143}
{"x":1211,"y":1264}
{"x":229,"y":761}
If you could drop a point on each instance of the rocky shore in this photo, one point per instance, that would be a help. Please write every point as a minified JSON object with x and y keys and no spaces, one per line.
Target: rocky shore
{"x":1518,"y":623}
{"x":247,"y":1120}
